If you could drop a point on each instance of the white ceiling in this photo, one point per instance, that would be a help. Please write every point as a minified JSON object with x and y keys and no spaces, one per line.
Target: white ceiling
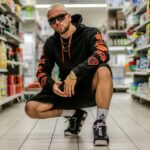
{"x":71,"y":1}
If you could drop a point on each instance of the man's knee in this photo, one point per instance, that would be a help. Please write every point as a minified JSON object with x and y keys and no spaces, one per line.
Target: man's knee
{"x":103,"y":73}
{"x":31,"y":110}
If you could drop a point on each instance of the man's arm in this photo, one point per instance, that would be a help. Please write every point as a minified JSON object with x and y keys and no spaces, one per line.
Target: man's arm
{"x":44,"y":70}
{"x":100,"y":54}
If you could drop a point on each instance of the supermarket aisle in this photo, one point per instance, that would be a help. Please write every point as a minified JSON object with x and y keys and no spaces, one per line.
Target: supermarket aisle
{"x":128,"y":128}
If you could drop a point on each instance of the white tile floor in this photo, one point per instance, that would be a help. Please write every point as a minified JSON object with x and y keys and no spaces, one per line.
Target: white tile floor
{"x":128,"y":127}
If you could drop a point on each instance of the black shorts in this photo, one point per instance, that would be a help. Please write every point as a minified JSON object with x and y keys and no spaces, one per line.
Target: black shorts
{"x":84,"y":95}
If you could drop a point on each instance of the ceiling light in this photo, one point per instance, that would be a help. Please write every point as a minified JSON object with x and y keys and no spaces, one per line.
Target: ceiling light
{"x":74,"y":5}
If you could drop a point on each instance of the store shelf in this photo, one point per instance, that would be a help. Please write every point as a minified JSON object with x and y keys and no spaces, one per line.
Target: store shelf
{"x":14,"y":14}
{"x":2,"y":9}
{"x":29,"y":5}
{"x":12,"y":38}
{"x":3,"y":70}
{"x":138,"y":73}
{"x":131,"y":42}
{"x":40,"y":38}
{"x":140,"y":95}
{"x":17,"y":17}
{"x":9,"y":99}
{"x":31,"y":19}
{"x":131,"y":27}
{"x":14,"y":63}
{"x":26,"y":19}
{"x":110,"y":9}
{"x":119,"y":48}
{"x":121,"y":86}
{"x":7,"y":7}
{"x":131,"y":56}
{"x":3,"y":39}
{"x":141,"y":9}
{"x":142,"y":27}
{"x":130,"y":10}
{"x":116,"y":66}
{"x":142,"y":48}
{"x":116,"y":32}
{"x":18,"y":2}
{"x":31,"y":92}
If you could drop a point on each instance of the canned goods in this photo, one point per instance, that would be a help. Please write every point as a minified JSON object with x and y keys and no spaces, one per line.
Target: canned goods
{"x":19,"y":88}
{"x":10,"y":79}
{"x":19,"y":79}
{"x":11,"y":90}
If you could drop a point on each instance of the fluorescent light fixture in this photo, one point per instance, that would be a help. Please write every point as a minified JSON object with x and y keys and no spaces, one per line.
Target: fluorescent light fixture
{"x":74,"y":5}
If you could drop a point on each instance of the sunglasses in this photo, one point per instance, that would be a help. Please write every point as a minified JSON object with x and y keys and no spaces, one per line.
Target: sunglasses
{"x":61,"y":17}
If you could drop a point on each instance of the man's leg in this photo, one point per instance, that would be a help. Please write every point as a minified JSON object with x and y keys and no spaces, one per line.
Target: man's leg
{"x":38,"y":110}
{"x":102,"y":84}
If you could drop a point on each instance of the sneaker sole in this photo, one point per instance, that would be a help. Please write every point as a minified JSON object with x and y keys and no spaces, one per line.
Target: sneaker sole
{"x":82,"y":122}
{"x":69,"y":134}
{"x":101,"y":143}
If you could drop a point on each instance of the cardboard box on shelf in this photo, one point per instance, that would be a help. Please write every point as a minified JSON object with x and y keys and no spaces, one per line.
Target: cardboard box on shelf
{"x":120,"y":15}
{"x":112,"y":24}
{"x":121,"y":24}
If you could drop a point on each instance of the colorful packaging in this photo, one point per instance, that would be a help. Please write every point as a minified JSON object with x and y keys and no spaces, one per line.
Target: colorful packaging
{"x":148,"y":9}
{"x":148,"y":33}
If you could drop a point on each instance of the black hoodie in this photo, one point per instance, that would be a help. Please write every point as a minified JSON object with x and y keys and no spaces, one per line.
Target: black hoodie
{"x":87,"y":51}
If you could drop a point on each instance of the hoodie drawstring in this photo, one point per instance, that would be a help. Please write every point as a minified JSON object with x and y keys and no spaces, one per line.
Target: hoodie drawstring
{"x":63,"y":48}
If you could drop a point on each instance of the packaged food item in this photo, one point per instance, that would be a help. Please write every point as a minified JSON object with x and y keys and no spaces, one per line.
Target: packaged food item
{"x":3,"y":56}
{"x":148,"y":33}
{"x":148,"y":9}
{"x":149,"y":86}
{"x":3,"y":86}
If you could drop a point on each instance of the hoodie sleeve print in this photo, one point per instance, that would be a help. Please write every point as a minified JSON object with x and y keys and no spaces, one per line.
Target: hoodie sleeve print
{"x":100,"y":54}
{"x":44,"y":70}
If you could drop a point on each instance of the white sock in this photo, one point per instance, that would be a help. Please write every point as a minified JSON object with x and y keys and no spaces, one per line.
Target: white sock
{"x":102,"y":114}
{"x":68,"y":112}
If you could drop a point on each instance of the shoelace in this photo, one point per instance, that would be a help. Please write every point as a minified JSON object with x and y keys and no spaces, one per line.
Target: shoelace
{"x":72,"y":122}
{"x":99,"y":129}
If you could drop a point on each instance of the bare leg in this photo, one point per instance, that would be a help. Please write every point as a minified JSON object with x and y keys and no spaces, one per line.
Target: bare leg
{"x":40,"y":110}
{"x":102,"y":83}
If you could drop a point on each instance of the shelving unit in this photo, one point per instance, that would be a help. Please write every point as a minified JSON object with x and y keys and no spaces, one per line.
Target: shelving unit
{"x":7,"y":10}
{"x":146,"y":72}
{"x":116,"y":32}
{"x":119,"y":48}
{"x":142,"y":26}
{"x":140,"y":96}
{"x":3,"y":39}
{"x":12,"y":38}
{"x":141,"y":73}
{"x":2,"y":9}
{"x":130,"y":10}
{"x":141,"y":9}
{"x":131,"y":42}
{"x":142,"y":48}
{"x":3,"y":70}
{"x":117,"y":43}
{"x":15,"y":63}
{"x":13,"y":67}
{"x":33,"y":38}
{"x":18,"y":2}
{"x":10,"y":99}
{"x":112,"y":9}
{"x":131,"y":56}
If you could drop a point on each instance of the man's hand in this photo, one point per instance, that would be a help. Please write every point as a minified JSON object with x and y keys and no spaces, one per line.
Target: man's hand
{"x":56,"y":89}
{"x":69,"y":85}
